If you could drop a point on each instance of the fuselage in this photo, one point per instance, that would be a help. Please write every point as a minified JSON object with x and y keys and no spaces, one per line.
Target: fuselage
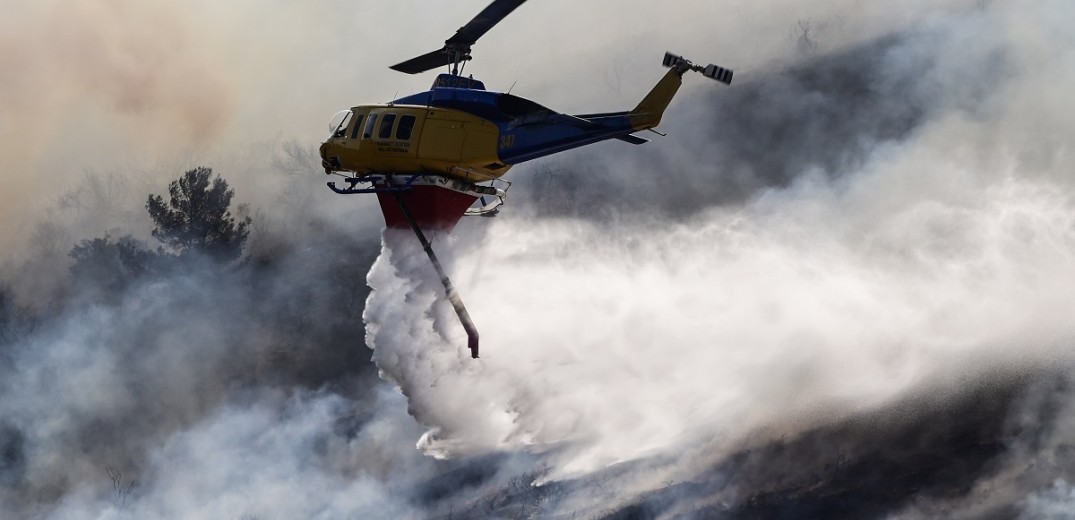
{"x":408,"y":139}
{"x":461,"y":131}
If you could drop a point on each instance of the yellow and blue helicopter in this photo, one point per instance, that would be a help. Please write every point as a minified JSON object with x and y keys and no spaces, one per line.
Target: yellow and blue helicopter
{"x":435,"y":156}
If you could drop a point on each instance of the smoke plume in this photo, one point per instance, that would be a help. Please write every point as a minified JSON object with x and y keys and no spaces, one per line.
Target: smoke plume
{"x":901,"y":221}
{"x":839,"y":288}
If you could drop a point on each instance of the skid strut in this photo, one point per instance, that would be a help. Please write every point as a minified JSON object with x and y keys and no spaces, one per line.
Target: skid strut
{"x":449,"y":289}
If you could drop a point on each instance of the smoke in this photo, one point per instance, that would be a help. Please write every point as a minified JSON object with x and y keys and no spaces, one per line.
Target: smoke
{"x":904,"y":224}
{"x":76,"y":72}
{"x":279,"y":457}
{"x":753,"y":318}
{"x":120,"y":85}
{"x":151,"y":88}
{"x":841,"y":285}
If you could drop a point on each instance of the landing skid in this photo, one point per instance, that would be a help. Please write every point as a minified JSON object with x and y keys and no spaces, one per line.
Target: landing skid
{"x":449,"y":289}
{"x":352,"y":186}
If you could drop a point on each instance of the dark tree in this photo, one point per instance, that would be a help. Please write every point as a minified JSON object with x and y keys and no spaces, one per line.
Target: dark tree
{"x":16,"y":321}
{"x":7,"y":316}
{"x":197,"y":218}
{"x":110,"y":265}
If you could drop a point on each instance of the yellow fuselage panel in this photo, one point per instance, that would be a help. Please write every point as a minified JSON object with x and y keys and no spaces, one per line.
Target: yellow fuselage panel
{"x":408,"y":139}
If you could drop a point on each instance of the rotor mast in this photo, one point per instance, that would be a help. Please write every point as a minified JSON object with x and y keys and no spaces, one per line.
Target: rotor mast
{"x":459,"y":55}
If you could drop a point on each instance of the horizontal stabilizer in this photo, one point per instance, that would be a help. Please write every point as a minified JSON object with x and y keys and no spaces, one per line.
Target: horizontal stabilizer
{"x":603,"y":115}
{"x":633,"y":139}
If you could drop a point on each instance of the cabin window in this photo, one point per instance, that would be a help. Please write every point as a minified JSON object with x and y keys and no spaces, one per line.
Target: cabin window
{"x":406,"y":125}
{"x":386,"y":126}
{"x":357,"y":128}
{"x":370,"y":124}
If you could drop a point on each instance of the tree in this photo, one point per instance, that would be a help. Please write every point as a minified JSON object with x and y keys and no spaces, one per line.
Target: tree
{"x":109,"y":266}
{"x":7,"y":316}
{"x":197,"y":218}
{"x":16,"y":322}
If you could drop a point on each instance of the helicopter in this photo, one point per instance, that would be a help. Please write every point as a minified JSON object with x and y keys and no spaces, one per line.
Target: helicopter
{"x":436,"y":156}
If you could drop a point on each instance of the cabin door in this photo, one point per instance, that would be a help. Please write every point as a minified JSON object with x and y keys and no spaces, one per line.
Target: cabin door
{"x":442,"y":140}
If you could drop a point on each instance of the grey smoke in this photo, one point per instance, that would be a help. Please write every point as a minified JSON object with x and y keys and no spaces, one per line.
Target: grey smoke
{"x":841,"y":286}
{"x":825,"y":115}
{"x":886,"y":237}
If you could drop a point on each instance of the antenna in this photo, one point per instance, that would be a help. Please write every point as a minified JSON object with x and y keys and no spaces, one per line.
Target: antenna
{"x":512,"y":86}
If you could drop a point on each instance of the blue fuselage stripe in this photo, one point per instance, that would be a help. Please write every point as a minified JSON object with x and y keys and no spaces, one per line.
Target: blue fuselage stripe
{"x":541,"y":139}
{"x":527,"y":130}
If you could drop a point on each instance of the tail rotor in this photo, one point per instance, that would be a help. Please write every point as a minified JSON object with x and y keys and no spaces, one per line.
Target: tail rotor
{"x":710,"y":71}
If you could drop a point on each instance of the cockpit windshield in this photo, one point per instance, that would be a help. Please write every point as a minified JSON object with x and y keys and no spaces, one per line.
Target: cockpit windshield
{"x":338,"y":124}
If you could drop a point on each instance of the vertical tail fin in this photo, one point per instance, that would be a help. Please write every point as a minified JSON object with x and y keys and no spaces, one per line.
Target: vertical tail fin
{"x":648,"y":113}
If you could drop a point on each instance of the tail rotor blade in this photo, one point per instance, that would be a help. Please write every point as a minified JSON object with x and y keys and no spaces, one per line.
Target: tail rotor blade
{"x":711,"y":71}
{"x":720,"y":74}
{"x":670,"y":60}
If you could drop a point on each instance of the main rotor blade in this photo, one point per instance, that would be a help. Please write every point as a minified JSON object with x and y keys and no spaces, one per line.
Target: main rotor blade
{"x":458,"y":46}
{"x":427,"y":61}
{"x":490,"y":16}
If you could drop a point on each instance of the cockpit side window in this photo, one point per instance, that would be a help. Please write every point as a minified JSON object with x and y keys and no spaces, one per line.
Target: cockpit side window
{"x":358,"y":126}
{"x":338,"y":125}
{"x":370,"y":124}
{"x":406,"y":126}
{"x":386,"y":126}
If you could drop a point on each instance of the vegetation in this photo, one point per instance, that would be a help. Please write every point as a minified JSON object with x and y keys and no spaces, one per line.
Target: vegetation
{"x":192,"y":318}
{"x":197,"y":217}
{"x":110,"y":265}
{"x":299,"y":302}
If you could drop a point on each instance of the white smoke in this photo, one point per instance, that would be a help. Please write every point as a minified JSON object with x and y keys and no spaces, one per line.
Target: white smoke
{"x":944,"y":253}
{"x":944,"y":256}
{"x":278,"y":457}
{"x":1055,"y":502}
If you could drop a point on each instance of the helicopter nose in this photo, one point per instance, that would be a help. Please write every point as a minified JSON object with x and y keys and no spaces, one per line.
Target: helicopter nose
{"x":325,"y":163}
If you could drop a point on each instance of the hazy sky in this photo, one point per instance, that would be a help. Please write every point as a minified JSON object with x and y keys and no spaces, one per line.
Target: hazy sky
{"x":126,"y":84}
